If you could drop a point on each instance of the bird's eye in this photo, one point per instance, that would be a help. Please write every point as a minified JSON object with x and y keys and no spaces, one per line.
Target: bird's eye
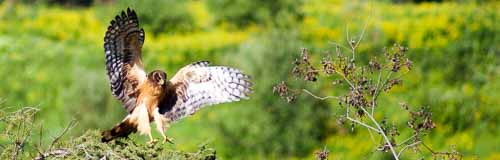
{"x":157,"y":76}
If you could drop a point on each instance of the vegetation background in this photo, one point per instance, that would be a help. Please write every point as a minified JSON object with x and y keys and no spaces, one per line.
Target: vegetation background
{"x":51,"y":58}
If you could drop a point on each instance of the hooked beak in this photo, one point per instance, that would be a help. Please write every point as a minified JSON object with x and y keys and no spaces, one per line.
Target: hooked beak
{"x":161,"y":82}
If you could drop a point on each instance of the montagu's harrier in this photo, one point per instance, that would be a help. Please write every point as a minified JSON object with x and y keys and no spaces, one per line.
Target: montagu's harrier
{"x":149,"y":97}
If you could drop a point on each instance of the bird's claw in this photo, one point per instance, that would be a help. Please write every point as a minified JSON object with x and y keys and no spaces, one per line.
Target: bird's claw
{"x":153,"y":141}
{"x":169,"y":140}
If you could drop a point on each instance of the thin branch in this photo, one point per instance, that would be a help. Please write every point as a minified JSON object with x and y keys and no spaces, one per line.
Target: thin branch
{"x":359,"y":122}
{"x":376,"y":90}
{"x":39,"y":148}
{"x":381,"y":132}
{"x":402,"y":74}
{"x":55,"y":153}
{"x":320,"y":98}
{"x":434,"y":153}
{"x":345,"y":78}
{"x":407,"y":140}
{"x":364,"y":27}
{"x":428,"y":148}
{"x":338,"y":44}
{"x":363,"y":124}
{"x":371,"y":136}
{"x":23,"y":130}
{"x":347,"y":34}
{"x":71,"y":125}
{"x":408,"y":146}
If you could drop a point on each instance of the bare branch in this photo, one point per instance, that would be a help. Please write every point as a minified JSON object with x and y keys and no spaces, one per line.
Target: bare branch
{"x":364,"y":27}
{"x":338,"y":44}
{"x":376,"y":90}
{"x":345,"y":78}
{"x":408,"y":146}
{"x":408,"y":139}
{"x":381,"y":132}
{"x":71,"y":125}
{"x":58,"y":153}
{"x":320,"y":98}
{"x":363,"y":124}
{"x":40,"y":134}
{"x":371,"y":136}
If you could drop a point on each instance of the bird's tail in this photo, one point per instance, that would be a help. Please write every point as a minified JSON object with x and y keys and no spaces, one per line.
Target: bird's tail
{"x":121,"y":130}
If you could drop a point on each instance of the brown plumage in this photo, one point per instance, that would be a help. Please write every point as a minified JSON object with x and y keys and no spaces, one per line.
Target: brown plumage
{"x":123,"y":129}
{"x":149,"y":93}
{"x":151,"y":97}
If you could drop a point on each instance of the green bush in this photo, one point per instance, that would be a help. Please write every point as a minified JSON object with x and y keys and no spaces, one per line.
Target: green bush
{"x":19,"y":137}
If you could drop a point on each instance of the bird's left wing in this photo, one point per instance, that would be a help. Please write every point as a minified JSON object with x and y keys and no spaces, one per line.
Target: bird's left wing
{"x":198,"y":85}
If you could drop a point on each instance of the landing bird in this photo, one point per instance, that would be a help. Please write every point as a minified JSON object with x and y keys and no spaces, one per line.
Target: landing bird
{"x":152,"y":97}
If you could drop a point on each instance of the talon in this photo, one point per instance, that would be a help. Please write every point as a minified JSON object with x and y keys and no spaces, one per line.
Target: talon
{"x":152,"y":141}
{"x":169,"y":140}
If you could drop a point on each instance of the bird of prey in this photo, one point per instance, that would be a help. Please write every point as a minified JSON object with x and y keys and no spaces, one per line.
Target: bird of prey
{"x":149,"y":97}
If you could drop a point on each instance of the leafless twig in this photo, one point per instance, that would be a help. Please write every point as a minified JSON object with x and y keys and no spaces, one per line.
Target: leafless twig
{"x":61,"y":152}
{"x":70,"y":126}
{"x":318,"y":97}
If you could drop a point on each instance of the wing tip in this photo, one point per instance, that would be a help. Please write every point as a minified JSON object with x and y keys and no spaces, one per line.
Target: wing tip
{"x":202,"y":63}
{"x":120,"y":23}
{"x":128,"y":14}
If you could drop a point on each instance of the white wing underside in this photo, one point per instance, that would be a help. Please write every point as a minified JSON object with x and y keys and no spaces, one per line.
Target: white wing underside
{"x":205,"y":86}
{"x":222,"y":88}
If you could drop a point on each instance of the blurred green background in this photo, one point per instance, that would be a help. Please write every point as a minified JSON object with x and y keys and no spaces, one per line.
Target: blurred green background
{"x":51,"y":57}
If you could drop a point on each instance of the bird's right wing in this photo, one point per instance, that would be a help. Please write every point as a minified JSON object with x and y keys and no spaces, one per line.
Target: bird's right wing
{"x":122,"y":46}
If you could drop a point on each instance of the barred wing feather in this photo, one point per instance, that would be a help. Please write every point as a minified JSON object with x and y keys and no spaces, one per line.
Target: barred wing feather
{"x":122,"y":47}
{"x":199,"y":85}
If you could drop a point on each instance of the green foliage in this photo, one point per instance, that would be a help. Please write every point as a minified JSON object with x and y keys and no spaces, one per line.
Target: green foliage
{"x":89,"y":146}
{"x":51,"y":57}
{"x":170,"y":16}
{"x":18,"y":141}
{"x":16,"y":131}
{"x":243,"y":12}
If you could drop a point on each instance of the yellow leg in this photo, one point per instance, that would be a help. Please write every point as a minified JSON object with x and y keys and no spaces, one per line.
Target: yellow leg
{"x":160,"y":126}
{"x":151,"y":139}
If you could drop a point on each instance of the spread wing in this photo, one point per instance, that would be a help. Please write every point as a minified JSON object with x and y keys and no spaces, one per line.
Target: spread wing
{"x":198,"y":85}
{"x":122,"y":46}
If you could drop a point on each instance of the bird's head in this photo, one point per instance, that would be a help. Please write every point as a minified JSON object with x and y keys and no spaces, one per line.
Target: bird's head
{"x":158,"y":77}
